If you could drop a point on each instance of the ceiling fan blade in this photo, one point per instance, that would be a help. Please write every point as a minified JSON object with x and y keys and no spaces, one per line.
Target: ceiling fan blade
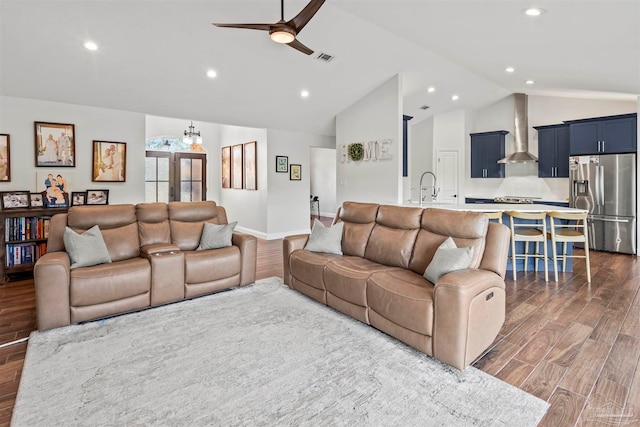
{"x":305,"y":15}
{"x":263,"y":27}
{"x":299,"y":46}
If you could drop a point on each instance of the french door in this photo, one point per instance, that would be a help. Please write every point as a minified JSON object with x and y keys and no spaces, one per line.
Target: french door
{"x":175,"y":176}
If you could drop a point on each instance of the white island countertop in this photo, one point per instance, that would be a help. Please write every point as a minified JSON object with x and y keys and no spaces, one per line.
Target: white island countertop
{"x":495,"y":207}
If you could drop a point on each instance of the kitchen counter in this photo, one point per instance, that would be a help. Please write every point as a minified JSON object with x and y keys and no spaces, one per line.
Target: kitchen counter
{"x":495,"y":207}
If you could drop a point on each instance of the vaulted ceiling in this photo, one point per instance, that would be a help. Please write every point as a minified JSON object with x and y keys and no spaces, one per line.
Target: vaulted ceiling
{"x":153,"y":55}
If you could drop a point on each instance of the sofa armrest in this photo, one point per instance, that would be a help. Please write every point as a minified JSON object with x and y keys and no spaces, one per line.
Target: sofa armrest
{"x":52,"y":277}
{"x":290,"y":244}
{"x":248,"y":246}
{"x":496,"y":250}
{"x":469,"y":310}
{"x":159,"y":249}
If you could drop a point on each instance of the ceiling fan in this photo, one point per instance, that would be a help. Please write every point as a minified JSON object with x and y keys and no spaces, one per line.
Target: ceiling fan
{"x":285,"y":31}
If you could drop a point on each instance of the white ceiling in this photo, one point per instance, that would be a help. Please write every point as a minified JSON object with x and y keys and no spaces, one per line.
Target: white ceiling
{"x":153,"y":55}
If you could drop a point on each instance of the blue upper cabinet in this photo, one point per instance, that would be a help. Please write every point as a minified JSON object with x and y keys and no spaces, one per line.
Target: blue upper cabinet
{"x":553,"y":151}
{"x":604,"y":135}
{"x":486,"y":149}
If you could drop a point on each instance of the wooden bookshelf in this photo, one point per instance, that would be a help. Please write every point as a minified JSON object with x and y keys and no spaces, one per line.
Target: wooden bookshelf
{"x":24,"y":233}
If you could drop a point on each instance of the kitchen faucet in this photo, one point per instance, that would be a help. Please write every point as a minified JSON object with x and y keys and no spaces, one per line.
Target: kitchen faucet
{"x":434,"y":190}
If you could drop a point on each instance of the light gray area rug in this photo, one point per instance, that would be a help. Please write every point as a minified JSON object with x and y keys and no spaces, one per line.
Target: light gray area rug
{"x":261,"y":355}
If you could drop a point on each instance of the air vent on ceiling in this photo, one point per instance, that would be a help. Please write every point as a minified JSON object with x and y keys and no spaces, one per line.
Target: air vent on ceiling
{"x":424,"y":107}
{"x":324,"y":57}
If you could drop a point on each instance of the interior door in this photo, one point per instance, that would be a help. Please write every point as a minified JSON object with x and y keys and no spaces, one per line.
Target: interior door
{"x":447,"y":173}
{"x":175,"y":176}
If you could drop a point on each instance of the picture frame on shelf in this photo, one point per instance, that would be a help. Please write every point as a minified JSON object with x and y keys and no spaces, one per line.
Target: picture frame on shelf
{"x":15,"y":199}
{"x":236,"y":166}
{"x":78,"y":198}
{"x":250,"y":177}
{"x":5,"y":157}
{"x":54,"y":187}
{"x":282,"y":164}
{"x":36,"y":200}
{"x":295,"y":172}
{"x":109,"y":161}
{"x":55,"y":144}
{"x":97,"y":197}
{"x":226,"y":167}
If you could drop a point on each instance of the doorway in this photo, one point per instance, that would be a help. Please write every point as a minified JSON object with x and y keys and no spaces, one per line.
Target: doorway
{"x":176,"y":176}
{"x":323,"y":182}
{"x":447,"y":172}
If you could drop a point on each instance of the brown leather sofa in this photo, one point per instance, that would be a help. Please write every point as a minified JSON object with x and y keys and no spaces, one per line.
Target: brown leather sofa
{"x":379,"y":278}
{"x":154,"y":261}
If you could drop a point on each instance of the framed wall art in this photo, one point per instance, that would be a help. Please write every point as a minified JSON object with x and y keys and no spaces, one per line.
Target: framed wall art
{"x":109,"y":161}
{"x":78,"y":198}
{"x":236,"y":166}
{"x":36,"y":200}
{"x":226,"y":167}
{"x":5,"y":157}
{"x":15,"y":199}
{"x":295,"y":173}
{"x":282,"y":164}
{"x":55,"y":145}
{"x":97,"y":197}
{"x":250,"y":167}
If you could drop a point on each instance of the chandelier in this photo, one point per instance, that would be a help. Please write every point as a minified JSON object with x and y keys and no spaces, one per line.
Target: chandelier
{"x":191,"y":136}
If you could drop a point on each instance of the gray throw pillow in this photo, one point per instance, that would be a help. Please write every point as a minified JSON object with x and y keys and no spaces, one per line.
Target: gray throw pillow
{"x":215,"y":236}
{"x":448,"y":259}
{"x":86,"y":249}
{"x":325,"y":239}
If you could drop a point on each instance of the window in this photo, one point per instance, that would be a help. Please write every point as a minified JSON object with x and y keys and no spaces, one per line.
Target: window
{"x":174,"y":176}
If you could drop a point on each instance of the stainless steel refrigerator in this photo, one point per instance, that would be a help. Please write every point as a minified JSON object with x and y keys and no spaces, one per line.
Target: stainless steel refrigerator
{"x":605,"y":186}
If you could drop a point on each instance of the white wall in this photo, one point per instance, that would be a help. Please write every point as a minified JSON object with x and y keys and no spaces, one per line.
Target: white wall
{"x":421,"y":154}
{"x":288,"y":204}
{"x":91,"y":123}
{"x":156,"y":126}
{"x":323,"y":179}
{"x":376,"y":116}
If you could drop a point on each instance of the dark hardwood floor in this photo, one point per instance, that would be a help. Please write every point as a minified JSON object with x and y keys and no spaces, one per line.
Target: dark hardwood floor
{"x":573,"y":344}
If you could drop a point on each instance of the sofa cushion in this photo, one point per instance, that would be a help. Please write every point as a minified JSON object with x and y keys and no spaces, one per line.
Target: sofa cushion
{"x":346,"y":278}
{"x":404,"y":298}
{"x":358,"y":219}
{"x":109,"y":282}
{"x":448,"y":259}
{"x":325,"y":239}
{"x":216,"y":236}
{"x":186,"y":221}
{"x":86,"y":249}
{"x":390,"y":246}
{"x":308,"y":267}
{"x":153,"y":223}
{"x":210,"y":265}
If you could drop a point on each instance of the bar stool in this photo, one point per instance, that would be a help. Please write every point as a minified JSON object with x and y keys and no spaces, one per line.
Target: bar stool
{"x":565,"y":228}
{"x":528,"y":232}
{"x":494,"y":215}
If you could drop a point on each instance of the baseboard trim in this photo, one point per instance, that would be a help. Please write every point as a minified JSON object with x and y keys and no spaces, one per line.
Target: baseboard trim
{"x":271,"y":236}
{"x":258,"y":234}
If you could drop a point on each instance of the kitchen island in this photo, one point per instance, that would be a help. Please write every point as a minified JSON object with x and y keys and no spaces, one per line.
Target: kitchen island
{"x":518,"y":207}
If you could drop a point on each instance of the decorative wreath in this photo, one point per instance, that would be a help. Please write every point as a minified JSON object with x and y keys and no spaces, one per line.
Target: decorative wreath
{"x":356,"y":151}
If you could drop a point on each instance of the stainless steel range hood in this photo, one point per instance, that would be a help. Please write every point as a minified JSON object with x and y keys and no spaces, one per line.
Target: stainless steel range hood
{"x":521,"y":155}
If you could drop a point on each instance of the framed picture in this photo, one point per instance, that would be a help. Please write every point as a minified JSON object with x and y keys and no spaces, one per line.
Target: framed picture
{"x":5,"y":157}
{"x":226,"y":167}
{"x":55,"y":145}
{"x":236,"y":166}
{"x":250,"y":167}
{"x":36,"y":200}
{"x":295,"y":173}
{"x":109,"y":161}
{"x":54,"y":188}
{"x":282,"y":164}
{"x":78,"y":198}
{"x":97,"y":197}
{"x":15,"y":200}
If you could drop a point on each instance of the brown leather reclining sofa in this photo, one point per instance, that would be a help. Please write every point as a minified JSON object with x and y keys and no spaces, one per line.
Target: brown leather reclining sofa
{"x":154,"y":261}
{"x":379,"y":278}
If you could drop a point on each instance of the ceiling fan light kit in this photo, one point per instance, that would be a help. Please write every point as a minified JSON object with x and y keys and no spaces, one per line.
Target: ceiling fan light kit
{"x":285,"y":32}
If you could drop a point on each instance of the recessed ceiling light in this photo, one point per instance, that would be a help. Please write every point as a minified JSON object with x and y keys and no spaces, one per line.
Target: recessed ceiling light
{"x":431,"y":89}
{"x":529,"y":82}
{"x":534,"y":11}
{"x":89,"y":45}
{"x":304,"y":94}
{"x":211,"y":74}
{"x":509,"y":69}
{"x":455,"y":97}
